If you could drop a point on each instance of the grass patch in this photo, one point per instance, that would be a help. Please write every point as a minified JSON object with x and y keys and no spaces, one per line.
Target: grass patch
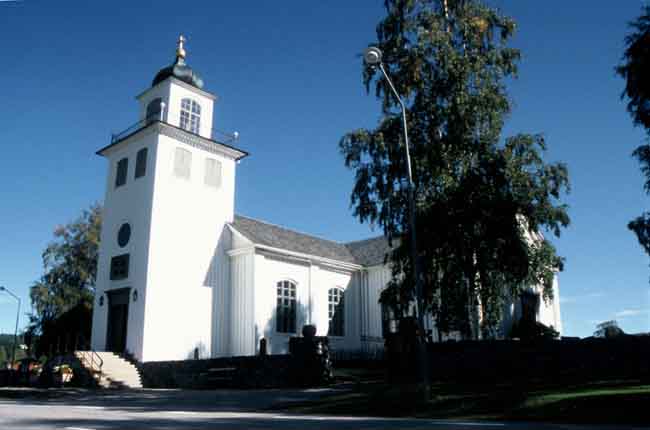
{"x":611,"y":402}
{"x":617,"y":404}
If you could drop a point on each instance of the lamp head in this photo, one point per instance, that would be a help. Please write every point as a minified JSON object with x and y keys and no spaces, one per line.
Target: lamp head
{"x":372,"y":56}
{"x":2,"y":288}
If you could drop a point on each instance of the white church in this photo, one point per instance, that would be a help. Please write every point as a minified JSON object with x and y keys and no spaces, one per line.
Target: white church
{"x":180,"y":273}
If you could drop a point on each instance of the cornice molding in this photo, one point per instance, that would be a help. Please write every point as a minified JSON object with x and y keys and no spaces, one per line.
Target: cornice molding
{"x":180,"y":135}
{"x":199,"y":142}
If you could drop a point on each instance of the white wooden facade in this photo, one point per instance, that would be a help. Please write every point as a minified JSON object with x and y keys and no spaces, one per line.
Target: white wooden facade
{"x":199,"y":279}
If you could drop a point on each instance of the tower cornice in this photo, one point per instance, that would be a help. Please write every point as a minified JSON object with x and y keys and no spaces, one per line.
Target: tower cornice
{"x":178,"y":134}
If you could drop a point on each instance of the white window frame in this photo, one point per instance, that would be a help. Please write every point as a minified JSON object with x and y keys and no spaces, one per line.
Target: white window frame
{"x":335,"y":299}
{"x":190,"y":116}
{"x":286,"y":301}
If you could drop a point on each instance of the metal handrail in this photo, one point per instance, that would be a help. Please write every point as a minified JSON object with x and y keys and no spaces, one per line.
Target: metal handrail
{"x":215,"y":134}
{"x":131,"y":129}
{"x":90,"y":361}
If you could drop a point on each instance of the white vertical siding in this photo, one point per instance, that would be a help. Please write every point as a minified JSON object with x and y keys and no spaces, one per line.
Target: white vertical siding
{"x":221,"y":302}
{"x":549,"y":312}
{"x":556,"y":305}
{"x":187,"y":222}
{"x":268,"y":271}
{"x":377,"y":278}
{"x":242,"y":275}
{"x":324,"y":278}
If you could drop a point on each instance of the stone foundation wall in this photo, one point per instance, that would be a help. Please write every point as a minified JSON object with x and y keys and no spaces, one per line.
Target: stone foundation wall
{"x":271,"y":371}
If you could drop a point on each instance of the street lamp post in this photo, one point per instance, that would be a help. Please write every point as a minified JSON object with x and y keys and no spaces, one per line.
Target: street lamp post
{"x":373,"y":56}
{"x":13,"y":351}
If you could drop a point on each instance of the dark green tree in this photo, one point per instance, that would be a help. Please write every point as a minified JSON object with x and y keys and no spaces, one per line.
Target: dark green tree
{"x":635,"y":69}
{"x":6,"y":348}
{"x":481,"y":200}
{"x":608,"y":330}
{"x":70,"y":266}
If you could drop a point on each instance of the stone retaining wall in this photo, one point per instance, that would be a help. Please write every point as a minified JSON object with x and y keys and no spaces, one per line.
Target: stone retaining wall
{"x":271,"y":371}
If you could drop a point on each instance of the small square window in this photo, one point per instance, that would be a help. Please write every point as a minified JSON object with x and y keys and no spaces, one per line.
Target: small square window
{"x":119,"y":267}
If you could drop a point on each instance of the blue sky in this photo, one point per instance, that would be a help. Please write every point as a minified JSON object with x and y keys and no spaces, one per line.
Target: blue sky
{"x":288,"y":77}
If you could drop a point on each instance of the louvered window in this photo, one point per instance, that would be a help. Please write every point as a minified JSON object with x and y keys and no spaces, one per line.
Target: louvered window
{"x":212,"y":173}
{"x":182,"y":163}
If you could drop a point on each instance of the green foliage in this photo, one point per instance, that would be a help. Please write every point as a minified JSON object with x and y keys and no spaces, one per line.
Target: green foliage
{"x":532,"y":330}
{"x":481,"y":200}
{"x":70,"y":331}
{"x":635,"y":69}
{"x":608,"y":330}
{"x":70,"y":265}
{"x":6,"y":345}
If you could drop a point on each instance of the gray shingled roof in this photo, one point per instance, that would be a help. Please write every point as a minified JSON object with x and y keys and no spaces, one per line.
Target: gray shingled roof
{"x":367,"y":252}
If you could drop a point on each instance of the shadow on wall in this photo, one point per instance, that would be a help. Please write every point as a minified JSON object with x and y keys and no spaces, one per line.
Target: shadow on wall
{"x":217,"y":274}
{"x":283,"y":325}
{"x":277,"y":331}
{"x":526,"y":305}
{"x":289,"y":316}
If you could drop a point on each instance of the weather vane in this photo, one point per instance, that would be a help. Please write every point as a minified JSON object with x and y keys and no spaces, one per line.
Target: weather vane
{"x":180,"y":51}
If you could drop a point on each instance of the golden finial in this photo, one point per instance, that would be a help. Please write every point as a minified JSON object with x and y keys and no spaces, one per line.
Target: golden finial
{"x":180,"y":51}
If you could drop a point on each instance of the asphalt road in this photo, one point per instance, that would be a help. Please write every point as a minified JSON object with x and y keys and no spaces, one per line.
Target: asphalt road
{"x":175,"y":409}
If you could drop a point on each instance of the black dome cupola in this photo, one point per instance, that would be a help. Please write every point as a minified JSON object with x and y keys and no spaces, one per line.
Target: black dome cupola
{"x":179,"y":69}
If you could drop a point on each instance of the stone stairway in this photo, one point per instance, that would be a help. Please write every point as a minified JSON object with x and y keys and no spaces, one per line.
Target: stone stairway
{"x":116,"y":372}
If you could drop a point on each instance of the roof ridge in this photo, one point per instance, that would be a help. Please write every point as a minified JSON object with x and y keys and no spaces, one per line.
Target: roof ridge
{"x":366,"y":252}
{"x":292,"y":230}
{"x":352,"y":242}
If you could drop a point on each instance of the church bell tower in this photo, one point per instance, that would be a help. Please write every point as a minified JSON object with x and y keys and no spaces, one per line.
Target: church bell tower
{"x":169,"y":193}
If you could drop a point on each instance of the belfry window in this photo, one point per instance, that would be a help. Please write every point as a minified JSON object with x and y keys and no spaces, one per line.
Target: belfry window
{"x":285,"y":319}
{"x":153,"y":110}
{"x":190,"y":116}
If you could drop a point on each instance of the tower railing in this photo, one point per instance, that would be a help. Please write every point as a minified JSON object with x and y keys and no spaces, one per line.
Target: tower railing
{"x":215,"y":134}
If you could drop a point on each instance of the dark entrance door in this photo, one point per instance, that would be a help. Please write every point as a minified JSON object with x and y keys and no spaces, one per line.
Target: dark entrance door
{"x":118,"y":316}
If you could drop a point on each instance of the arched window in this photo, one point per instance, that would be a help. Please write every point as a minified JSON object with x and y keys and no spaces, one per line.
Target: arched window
{"x":286,"y":310}
{"x":336,"y":312}
{"x":190,"y":115}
